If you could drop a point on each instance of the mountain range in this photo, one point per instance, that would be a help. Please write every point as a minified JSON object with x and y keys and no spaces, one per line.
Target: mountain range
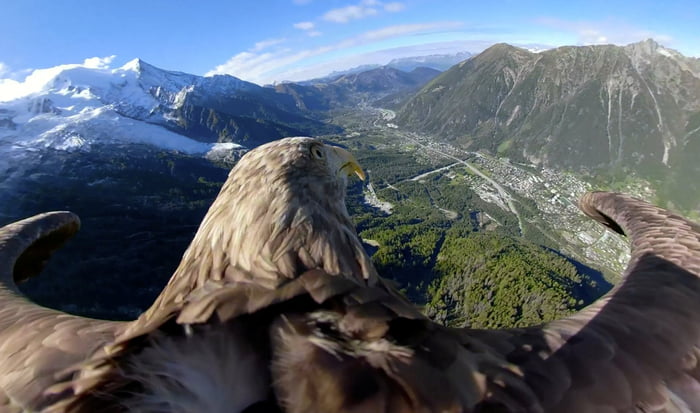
{"x":140,"y":152}
{"x":371,"y":86}
{"x":439,"y":62}
{"x":613,"y":110}
{"x":80,"y":108}
{"x":73,"y":106}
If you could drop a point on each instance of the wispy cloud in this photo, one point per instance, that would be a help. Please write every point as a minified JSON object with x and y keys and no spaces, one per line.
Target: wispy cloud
{"x":394,"y":7}
{"x":308,"y":27}
{"x":4,"y":70}
{"x":345,"y":14}
{"x":304,"y":25}
{"x":365,"y":8}
{"x":610,"y":31}
{"x":267,"y":67}
{"x":264,"y":44}
{"x":37,"y":79}
{"x":385,"y":56}
{"x":98,"y":62}
{"x":406,"y":29}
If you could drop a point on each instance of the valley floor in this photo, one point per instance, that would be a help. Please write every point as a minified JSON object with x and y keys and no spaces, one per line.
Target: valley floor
{"x":541,"y":201}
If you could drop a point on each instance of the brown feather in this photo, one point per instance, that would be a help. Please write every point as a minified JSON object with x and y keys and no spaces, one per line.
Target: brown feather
{"x":277,"y":230}
{"x":633,"y":349}
{"x":35,"y":342}
{"x":277,"y":272}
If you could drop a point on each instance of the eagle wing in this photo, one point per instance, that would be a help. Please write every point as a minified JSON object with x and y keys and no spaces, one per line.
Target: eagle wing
{"x":37,"y":343}
{"x":335,"y":345}
{"x":635,"y":349}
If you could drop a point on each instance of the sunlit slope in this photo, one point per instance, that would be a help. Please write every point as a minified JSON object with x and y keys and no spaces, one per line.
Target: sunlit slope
{"x":606,"y":109}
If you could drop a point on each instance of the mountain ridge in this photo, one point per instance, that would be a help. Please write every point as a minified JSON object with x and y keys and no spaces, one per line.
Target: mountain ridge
{"x":350,"y":89}
{"x":79,"y":103}
{"x":629,"y":109}
{"x":440,"y":62}
{"x":140,"y":203}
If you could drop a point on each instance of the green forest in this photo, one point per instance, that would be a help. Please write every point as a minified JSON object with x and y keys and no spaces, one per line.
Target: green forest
{"x":463,"y":259}
{"x":459,"y":257}
{"x":490,"y":280}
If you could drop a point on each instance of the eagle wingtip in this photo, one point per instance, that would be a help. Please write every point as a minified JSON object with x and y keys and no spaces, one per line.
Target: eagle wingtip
{"x":26,"y":245}
{"x":589,"y":204}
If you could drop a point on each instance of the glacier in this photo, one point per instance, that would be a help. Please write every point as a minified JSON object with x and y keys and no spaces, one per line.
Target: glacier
{"x":73,"y":106}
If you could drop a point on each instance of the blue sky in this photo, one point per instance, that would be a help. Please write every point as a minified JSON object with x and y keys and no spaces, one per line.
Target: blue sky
{"x":274,"y":40}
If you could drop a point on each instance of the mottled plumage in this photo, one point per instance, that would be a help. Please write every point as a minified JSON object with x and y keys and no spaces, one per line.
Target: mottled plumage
{"x":276,"y":307}
{"x":37,"y":342}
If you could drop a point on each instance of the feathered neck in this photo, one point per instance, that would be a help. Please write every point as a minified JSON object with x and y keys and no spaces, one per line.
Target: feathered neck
{"x":269,"y":230}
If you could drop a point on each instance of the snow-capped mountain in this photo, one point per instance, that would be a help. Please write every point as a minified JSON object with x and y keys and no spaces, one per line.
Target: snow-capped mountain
{"x":123,"y":148}
{"x":71,"y":107}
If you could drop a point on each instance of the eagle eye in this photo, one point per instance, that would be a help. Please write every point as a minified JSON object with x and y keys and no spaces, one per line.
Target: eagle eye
{"x":317,"y":152}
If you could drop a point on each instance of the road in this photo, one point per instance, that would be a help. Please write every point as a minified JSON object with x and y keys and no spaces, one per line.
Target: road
{"x":385,"y":115}
{"x":501,"y":191}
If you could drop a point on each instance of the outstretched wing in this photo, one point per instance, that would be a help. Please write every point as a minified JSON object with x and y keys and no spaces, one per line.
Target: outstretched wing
{"x":36,"y":342}
{"x":636,"y":347}
{"x":633,"y":350}
{"x":339,"y":346}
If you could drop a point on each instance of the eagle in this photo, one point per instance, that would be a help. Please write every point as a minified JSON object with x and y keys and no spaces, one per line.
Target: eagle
{"x":276,"y":307}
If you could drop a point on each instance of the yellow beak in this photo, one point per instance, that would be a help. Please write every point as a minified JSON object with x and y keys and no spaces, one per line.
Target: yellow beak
{"x":348,"y":163}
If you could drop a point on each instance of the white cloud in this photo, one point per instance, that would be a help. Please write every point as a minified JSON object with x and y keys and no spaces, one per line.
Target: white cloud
{"x":264,"y":44}
{"x":4,"y":70}
{"x":345,"y":14}
{"x":406,"y":29}
{"x":365,"y":8}
{"x":304,"y":25}
{"x":267,"y":67}
{"x":10,"y":89}
{"x":308,"y":27}
{"x":592,"y":36}
{"x":98,"y":62}
{"x":38,"y":79}
{"x":394,"y":7}
{"x":261,"y":68}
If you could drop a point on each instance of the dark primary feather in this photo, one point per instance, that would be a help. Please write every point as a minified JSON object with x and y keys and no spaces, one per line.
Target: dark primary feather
{"x":633,"y":350}
{"x":277,"y":270}
{"x":36,"y":342}
{"x":280,"y":214}
{"x":637,"y":344}
{"x":350,"y":347}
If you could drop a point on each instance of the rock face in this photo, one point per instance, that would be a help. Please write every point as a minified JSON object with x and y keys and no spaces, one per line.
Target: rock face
{"x":593,"y":108}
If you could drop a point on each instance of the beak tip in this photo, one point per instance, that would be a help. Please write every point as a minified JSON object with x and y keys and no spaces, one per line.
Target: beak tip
{"x":350,"y":164}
